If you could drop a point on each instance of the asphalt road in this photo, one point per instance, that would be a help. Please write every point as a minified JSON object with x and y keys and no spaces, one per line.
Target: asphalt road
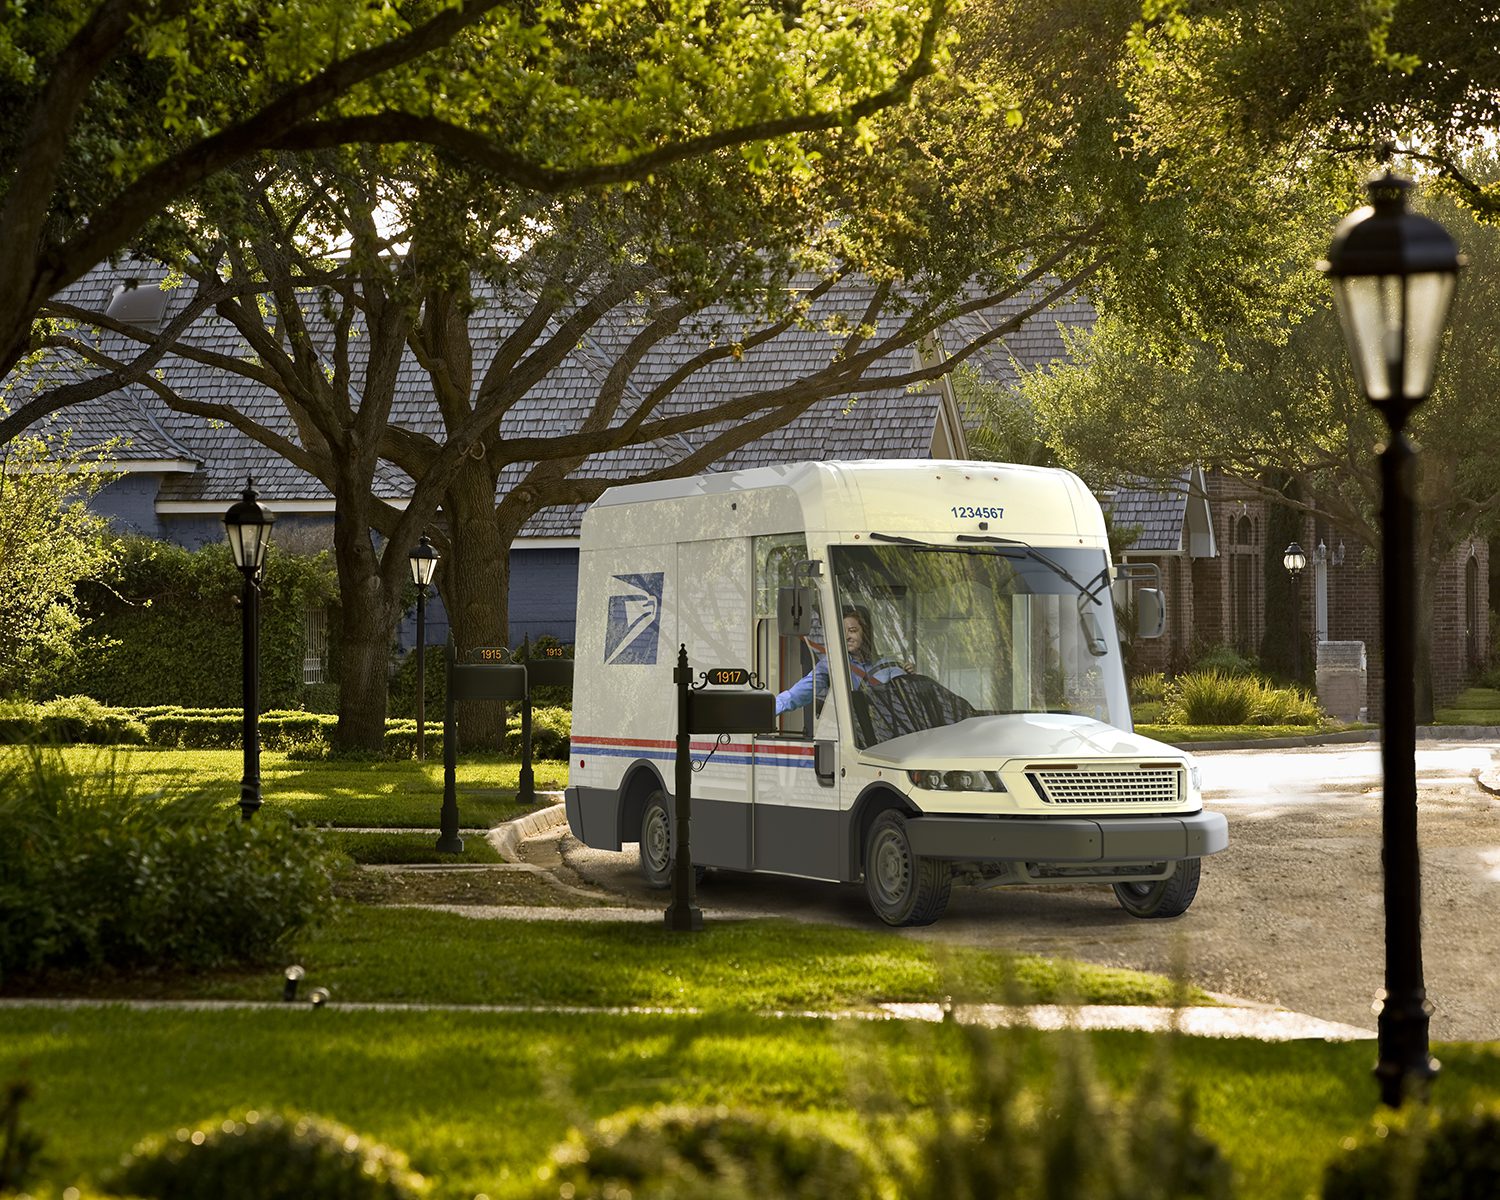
{"x":1290,"y":914}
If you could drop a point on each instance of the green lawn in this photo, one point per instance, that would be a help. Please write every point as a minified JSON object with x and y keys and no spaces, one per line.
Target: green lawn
{"x":477,"y":1099}
{"x":1183,"y":734}
{"x":402,"y":794}
{"x":1476,"y":706}
{"x":370,"y":954}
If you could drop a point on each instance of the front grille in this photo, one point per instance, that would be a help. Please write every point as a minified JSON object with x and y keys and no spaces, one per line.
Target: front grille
{"x":1150,"y":785}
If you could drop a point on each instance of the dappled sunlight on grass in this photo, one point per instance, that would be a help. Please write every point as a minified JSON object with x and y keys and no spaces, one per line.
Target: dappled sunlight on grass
{"x":401,"y":794}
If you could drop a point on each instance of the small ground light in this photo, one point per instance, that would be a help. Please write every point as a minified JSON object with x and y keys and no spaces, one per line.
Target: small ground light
{"x":293,"y":977}
{"x":319,"y":997}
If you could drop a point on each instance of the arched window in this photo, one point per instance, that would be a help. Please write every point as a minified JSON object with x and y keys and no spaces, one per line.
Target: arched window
{"x":1242,"y":584}
{"x":1471,"y":609}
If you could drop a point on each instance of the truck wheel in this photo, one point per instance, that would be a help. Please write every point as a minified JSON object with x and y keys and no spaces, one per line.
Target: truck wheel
{"x":903,"y":889}
{"x":1167,"y":897}
{"x":656,"y":840}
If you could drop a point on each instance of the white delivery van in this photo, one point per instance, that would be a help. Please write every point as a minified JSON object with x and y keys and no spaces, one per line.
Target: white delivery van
{"x":981,"y":735}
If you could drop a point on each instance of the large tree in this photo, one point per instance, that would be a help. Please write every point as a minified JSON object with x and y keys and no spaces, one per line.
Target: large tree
{"x":1015,"y":177}
{"x":1334,"y":78}
{"x":1279,"y":405}
{"x":123,"y":111}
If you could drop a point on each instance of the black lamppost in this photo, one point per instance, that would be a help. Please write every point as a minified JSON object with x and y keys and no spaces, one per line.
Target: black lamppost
{"x":424,"y":561}
{"x":1393,"y":274}
{"x":1294,"y":560}
{"x":247,"y":524}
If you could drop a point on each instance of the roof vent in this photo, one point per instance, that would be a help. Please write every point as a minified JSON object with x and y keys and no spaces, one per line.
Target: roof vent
{"x":136,"y":304}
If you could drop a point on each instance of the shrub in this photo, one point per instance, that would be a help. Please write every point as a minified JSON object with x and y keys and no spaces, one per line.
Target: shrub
{"x":708,"y":1154}
{"x":94,"y":872}
{"x":1149,"y":687}
{"x":1225,"y":660}
{"x":1421,"y":1153}
{"x":1286,"y":706}
{"x":1211,"y":698}
{"x":69,"y":719}
{"x":1002,"y":1142}
{"x":550,"y":730}
{"x":267,"y":1156}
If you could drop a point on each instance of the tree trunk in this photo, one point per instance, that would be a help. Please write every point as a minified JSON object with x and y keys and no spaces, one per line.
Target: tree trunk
{"x":476,"y":580}
{"x":367,"y":622}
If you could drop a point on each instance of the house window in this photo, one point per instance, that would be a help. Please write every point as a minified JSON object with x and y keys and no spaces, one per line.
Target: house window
{"x":1242,"y":567}
{"x":314,"y":645}
{"x":1471,"y":608}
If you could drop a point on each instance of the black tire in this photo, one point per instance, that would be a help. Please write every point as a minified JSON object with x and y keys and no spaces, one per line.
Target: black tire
{"x":902,"y":888}
{"x":1169,"y":897}
{"x":658,"y":842}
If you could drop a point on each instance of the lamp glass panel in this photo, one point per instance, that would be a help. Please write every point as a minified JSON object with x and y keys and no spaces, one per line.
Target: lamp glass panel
{"x":1427,"y":298}
{"x":423,"y":568}
{"x":234,"y":535}
{"x":256,"y":536}
{"x":1369,"y":308}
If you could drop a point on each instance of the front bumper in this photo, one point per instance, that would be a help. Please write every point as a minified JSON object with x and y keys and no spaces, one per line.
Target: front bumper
{"x":1145,"y":839}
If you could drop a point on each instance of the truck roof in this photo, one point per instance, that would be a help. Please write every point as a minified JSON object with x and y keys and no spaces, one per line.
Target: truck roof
{"x":933,"y":497}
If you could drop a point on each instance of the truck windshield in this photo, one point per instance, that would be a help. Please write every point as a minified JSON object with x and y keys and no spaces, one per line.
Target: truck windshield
{"x":948,"y":632}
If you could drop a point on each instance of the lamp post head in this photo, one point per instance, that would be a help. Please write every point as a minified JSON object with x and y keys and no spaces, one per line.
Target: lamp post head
{"x":424,"y":561}
{"x":1294,"y":559}
{"x":1393,"y":273}
{"x":247,"y":525}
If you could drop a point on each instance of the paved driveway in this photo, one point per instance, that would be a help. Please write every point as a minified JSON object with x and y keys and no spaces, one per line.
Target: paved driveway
{"x":1291,"y":914}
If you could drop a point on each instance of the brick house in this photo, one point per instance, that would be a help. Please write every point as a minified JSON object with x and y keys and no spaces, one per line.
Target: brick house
{"x":1208,"y":532}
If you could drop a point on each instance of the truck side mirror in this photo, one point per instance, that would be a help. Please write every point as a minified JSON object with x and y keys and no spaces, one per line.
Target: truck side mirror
{"x":1093,"y":634}
{"x":1150,"y":613}
{"x":795,"y":607}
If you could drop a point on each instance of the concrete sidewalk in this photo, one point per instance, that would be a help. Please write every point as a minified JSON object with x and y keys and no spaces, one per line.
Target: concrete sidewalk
{"x":1258,"y":1023}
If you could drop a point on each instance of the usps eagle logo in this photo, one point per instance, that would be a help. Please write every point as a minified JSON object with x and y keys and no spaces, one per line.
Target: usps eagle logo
{"x":633,"y":625}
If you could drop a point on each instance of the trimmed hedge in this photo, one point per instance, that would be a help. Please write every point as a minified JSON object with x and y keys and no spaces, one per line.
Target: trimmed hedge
{"x":66,"y":720}
{"x":306,"y":736}
{"x":164,"y":626}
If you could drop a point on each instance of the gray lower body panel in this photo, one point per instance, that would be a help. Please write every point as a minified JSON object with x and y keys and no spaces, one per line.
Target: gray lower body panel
{"x":1069,"y":839}
{"x":799,"y":841}
{"x":594,"y":816}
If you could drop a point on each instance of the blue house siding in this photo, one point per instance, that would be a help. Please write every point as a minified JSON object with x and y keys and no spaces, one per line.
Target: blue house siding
{"x":543,"y":601}
{"x":543,"y":594}
{"x":130,"y":504}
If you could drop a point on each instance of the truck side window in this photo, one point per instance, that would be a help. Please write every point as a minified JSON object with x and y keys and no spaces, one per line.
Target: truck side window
{"x":780,"y":663}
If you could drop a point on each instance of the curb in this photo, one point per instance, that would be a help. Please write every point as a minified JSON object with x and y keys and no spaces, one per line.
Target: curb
{"x":1425,"y":733}
{"x":507,"y":838}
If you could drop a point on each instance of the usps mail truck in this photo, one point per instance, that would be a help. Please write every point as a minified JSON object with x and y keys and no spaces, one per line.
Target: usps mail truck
{"x":942,"y":640}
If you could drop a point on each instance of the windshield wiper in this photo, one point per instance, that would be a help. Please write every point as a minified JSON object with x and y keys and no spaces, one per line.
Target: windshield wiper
{"x":1090,"y":591}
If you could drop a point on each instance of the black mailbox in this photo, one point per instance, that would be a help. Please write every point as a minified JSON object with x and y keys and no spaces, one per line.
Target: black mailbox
{"x":469,"y":681}
{"x":731,"y":712}
{"x":550,"y":672}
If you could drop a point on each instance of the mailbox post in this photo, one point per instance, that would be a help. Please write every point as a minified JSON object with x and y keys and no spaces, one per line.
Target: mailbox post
{"x":550,"y":671}
{"x":490,"y":678}
{"x":705,"y":712}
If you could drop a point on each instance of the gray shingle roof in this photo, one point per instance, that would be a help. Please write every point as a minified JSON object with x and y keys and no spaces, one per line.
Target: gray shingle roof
{"x":1159,"y":511}
{"x":889,"y":422}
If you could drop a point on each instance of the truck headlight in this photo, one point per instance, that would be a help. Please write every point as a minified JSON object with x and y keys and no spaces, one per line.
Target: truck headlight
{"x":1195,"y":777}
{"x":957,"y":781}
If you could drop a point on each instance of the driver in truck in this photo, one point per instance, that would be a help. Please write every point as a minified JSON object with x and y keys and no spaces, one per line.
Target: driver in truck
{"x":865,"y":666}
